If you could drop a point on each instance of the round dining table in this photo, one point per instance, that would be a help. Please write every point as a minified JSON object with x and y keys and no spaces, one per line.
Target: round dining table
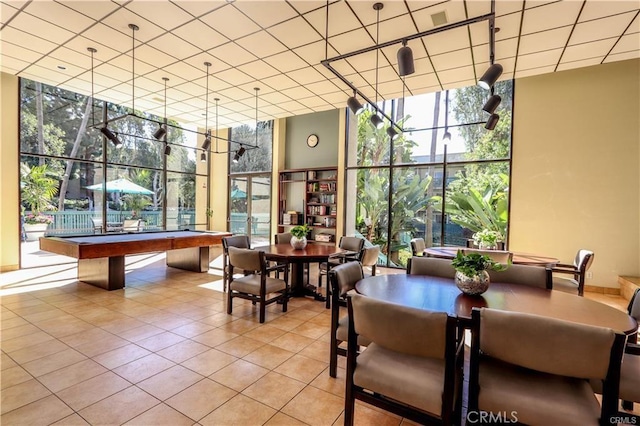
{"x":441,"y":294}
{"x":518,"y":258}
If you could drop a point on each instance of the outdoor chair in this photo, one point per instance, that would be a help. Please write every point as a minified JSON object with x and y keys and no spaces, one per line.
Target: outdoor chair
{"x":418,"y":246}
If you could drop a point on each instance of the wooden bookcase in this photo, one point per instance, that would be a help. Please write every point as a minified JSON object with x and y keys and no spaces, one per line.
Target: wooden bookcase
{"x":313,"y":194}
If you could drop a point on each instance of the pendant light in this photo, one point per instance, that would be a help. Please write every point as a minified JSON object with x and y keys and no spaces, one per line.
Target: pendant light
{"x":354,"y":104}
{"x":167,"y":147}
{"x":492,"y":121}
{"x":447,"y":136}
{"x":375,"y":118}
{"x":207,"y":140}
{"x":104,"y":130}
{"x":405,"y":60}
{"x":490,"y":76}
{"x":492,"y":103}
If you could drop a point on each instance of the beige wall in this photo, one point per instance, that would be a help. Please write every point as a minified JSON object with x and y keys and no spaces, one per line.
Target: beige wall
{"x":575,"y":178}
{"x":9,"y":207}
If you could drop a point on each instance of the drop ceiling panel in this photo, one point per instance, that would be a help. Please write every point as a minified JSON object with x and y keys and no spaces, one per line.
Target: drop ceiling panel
{"x":297,"y":92}
{"x":324,"y":87}
{"x":364,"y":62}
{"x":453,"y":12}
{"x":315,"y":52}
{"x":104,"y":34}
{"x":261,"y":44}
{"x":56,"y":13}
{"x":304,"y":6}
{"x":291,"y":105}
{"x":68,"y":69}
{"x":341,"y":19}
{"x":286,"y":61}
{"x":305,"y":76}
{"x":233,"y":77}
{"x":627,"y":43}
{"x":278,"y":12}
{"x":17,"y":51}
{"x":178,"y":48}
{"x":15,"y":64}
{"x":279,"y":82}
{"x":180,"y":71}
{"x":538,"y":60}
{"x":595,"y":10}
{"x":392,"y":29}
{"x":547,"y":40}
{"x":125,"y":62}
{"x":597,"y":49}
{"x":315,"y":102}
{"x":424,"y":80}
{"x":351,"y":41}
{"x":601,"y":28}
{"x":92,"y":9}
{"x":635,"y":25}
{"x":6,"y":12}
{"x":197,"y":63}
{"x":121,"y":19}
{"x":447,"y":41}
{"x":366,"y":13}
{"x":294,"y":33}
{"x":578,"y":64}
{"x":339,"y":98}
{"x":258,"y":69}
{"x":200,"y":35}
{"x":275,"y":98}
{"x":199,"y":8}
{"x":37,"y":27}
{"x":452,"y":60}
{"x":162,"y":13}
{"x":551,"y":15}
{"x":384,"y":74}
{"x":232,"y":54}
{"x":622,"y":56}
{"x":230,"y":21}
{"x":456,"y":75}
{"x":80,"y":44}
{"x":151,"y":55}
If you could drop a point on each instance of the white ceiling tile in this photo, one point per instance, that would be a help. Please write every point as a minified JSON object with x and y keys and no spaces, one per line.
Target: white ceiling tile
{"x":13,"y":63}
{"x":37,"y":27}
{"x":191,"y":88}
{"x":384,"y":74}
{"x":635,"y":26}
{"x":107,"y":36}
{"x":235,"y":93}
{"x":297,"y":92}
{"x":120,"y":21}
{"x":258,"y":69}
{"x":279,"y":82}
{"x":454,"y":12}
{"x":261,"y":44}
{"x":324,"y":87}
{"x":126,"y":62}
{"x":93,"y":9}
{"x":365,"y":12}
{"x":314,"y":102}
{"x":596,"y":49}
{"x":177,"y":47}
{"x":447,"y":41}
{"x":547,"y":40}
{"x":422,"y":66}
{"x":286,"y":61}
{"x":294,"y":33}
{"x":598,"y":9}
{"x":627,"y":43}
{"x":421,"y":80}
{"x":197,"y":62}
{"x":304,"y":6}
{"x":56,"y":13}
{"x":51,"y":74}
{"x":22,"y":38}
{"x":394,"y":86}
{"x":601,"y":28}
{"x":341,"y":19}
{"x":550,"y":15}
{"x":291,"y":105}
{"x":275,"y":98}
{"x":452,"y":60}
{"x":337,"y":98}
{"x":200,"y":35}
{"x":362,"y":62}
{"x":504,"y":49}
{"x":278,"y":12}
{"x":18,"y":51}
{"x":456,"y":75}
{"x":180,"y":71}
{"x":272,"y":110}
{"x":199,"y":8}
{"x":578,"y":64}
{"x":113,"y":72}
{"x":80,"y":44}
{"x":53,"y":64}
{"x":392,"y":29}
{"x":535,"y":71}
{"x":622,"y":56}
{"x":315,"y":52}
{"x":230,"y":21}
{"x":233,"y":77}
{"x":538,"y":60}
{"x":151,"y":55}
{"x":162,"y":13}
{"x":6,"y":12}
{"x":232,"y":54}
{"x":351,"y":41}
{"x":306,"y":76}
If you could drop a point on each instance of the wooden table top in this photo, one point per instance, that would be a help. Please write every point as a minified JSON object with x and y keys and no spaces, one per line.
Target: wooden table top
{"x":518,"y":258}
{"x":311,"y":253}
{"x":441,"y":294}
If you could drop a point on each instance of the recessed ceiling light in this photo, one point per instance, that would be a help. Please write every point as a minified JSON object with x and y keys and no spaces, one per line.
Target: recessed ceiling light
{"x":62,"y":67}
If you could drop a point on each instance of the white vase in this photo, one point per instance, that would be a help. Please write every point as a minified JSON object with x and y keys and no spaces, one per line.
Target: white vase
{"x":34,"y":231}
{"x":298,"y":243}
{"x":487,"y":246}
{"x":474,"y":285}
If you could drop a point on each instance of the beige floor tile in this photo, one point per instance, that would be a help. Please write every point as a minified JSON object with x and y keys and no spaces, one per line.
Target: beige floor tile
{"x":38,"y":351}
{"x":143,"y":368}
{"x":365,"y":416}
{"x":161,"y":415}
{"x":106,"y":344}
{"x":292,"y":342}
{"x":201,"y":399}
{"x":217,"y":319}
{"x":269,"y":356}
{"x":301,"y":368}
{"x":283,"y":420}
{"x":239,"y":375}
{"x":72,"y":420}
{"x":119,"y":408}
{"x":192,"y":329}
{"x":265,"y":333}
{"x":6,"y":362}
{"x":14,"y":321}
{"x":239,"y":410}
{"x":285,"y":322}
{"x":93,"y":390}
{"x":71,"y":375}
{"x":23,"y":342}
{"x":56,"y":361}
{"x":274,"y":390}
{"x":64,"y":326}
{"x":315,"y":407}
{"x":214,"y":337}
{"x":209,"y":362}
{"x":239,"y":326}
{"x":120,"y":325}
{"x":14,"y":376}
{"x":41,"y":412}
{"x":141,"y":333}
{"x":19,"y":331}
{"x":302,"y":314}
{"x":183,"y":351}
{"x":318,"y":350}
{"x":169,"y":382}
{"x":120,"y":356}
{"x":311,"y":330}
{"x":327,"y":383}
{"x":160,"y":341}
{"x":21,"y":394}
{"x":240,"y":346}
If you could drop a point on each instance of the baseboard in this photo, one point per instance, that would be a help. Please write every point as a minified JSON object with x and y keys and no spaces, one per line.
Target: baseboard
{"x":9,"y":268}
{"x":601,"y":290}
{"x":628,"y":286}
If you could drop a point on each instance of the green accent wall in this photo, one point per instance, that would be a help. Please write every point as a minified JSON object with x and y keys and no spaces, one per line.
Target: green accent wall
{"x":324,"y":124}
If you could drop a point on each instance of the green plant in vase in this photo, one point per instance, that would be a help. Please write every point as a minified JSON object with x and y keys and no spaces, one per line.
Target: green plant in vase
{"x":299,"y":236}
{"x":487,"y":239}
{"x":471,"y":272}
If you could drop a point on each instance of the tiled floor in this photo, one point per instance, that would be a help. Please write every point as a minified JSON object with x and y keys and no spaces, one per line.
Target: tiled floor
{"x":163,"y":351}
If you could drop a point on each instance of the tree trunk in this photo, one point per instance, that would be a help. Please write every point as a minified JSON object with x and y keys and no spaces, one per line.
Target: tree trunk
{"x":40,"y":118}
{"x":74,"y":152}
{"x":428,"y":220}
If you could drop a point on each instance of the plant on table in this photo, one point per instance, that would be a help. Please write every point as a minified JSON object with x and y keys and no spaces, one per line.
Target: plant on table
{"x":471,"y":271}
{"x":299,"y":236}
{"x":487,"y":238}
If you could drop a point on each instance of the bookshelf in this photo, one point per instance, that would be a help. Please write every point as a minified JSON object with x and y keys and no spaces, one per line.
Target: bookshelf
{"x":312,"y":195}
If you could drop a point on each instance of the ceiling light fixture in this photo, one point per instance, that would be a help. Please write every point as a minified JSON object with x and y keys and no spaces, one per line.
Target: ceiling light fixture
{"x":207,"y":140}
{"x":492,"y":121}
{"x":490,"y":76}
{"x":239,"y":154}
{"x":162,"y":130}
{"x":405,"y":60}
{"x":375,"y":118}
{"x":447,"y":135}
{"x":354,"y":104}
{"x":111,"y":136}
{"x":392,"y":133}
{"x":203,"y":157}
{"x":492,"y":103}
{"x":494,"y":71}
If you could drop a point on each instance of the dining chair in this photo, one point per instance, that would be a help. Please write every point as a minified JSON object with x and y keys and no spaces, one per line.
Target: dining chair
{"x":239,"y":241}
{"x":534,"y":276}
{"x":370,"y":258}
{"x":500,"y":256}
{"x":418,"y":246}
{"x":354,"y":246}
{"x":343,"y":279}
{"x":285,"y":238}
{"x":432,"y":266}
{"x":577,"y":273}
{"x":256,"y":286}
{"x":97,"y":225}
{"x":416,"y":378}
{"x":523,"y":366}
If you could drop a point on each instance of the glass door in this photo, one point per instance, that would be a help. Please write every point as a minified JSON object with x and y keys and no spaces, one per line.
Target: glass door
{"x":250,"y":207}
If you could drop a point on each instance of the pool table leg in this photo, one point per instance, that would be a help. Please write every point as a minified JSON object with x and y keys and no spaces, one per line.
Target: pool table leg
{"x":194,"y":259}
{"x":104,"y":272}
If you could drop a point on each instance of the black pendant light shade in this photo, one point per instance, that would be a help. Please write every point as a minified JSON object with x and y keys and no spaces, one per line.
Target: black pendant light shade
{"x":167,"y":150}
{"x":447,"y":135}
{"x":158,"y":134}
{"x":492,"y":121}
{"x":405,"y":60}
{"x":203,"y":157}
{"x":207,"y":143}
{"x":376,"y":121}
{"x":490,"y":76}
{"x":393,"y":134}
{"x":354,"y":105}
{"x":492,"y":103}
{"x":111,"y":136}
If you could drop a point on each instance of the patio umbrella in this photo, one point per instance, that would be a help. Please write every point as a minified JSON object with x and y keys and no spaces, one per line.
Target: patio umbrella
{"x":123,"y":186}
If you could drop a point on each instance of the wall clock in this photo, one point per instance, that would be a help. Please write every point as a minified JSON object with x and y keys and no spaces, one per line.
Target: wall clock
{"x":312,"y":141}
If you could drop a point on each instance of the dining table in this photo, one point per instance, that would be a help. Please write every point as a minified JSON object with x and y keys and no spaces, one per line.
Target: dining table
{"x":311,"y":253}
{"x":442,"y":295}
{"x":449,"y":252}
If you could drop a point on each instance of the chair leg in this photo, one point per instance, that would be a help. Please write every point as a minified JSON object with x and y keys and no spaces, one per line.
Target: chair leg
{"x":285,"y":299}
{"x":328,"y":295}
{"x":262,"y":311}
{"x":349,"y":406}
{"x":333,"y":357}
{"x":229,"y":302}
{"x":627,"y":405}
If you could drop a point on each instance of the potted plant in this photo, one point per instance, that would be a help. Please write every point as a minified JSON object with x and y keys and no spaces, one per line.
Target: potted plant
{"x":299,"y":236}
{"x":471,"y":272}
{"x":38,"y":189}
{"x":487,"y":239}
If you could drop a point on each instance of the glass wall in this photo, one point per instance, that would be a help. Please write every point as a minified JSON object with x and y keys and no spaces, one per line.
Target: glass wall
{"x":80,"y":182}
{"x":423,"y":185}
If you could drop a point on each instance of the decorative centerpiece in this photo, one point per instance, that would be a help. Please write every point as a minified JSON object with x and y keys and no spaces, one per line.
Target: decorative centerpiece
{"x":472,"y":277}
{"x":487,"y":239}
{"x":299,"y":236}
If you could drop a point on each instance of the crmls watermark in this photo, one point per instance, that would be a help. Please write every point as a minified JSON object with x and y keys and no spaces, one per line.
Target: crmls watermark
{"x":489,"y":417}
{"x":627,"y":419}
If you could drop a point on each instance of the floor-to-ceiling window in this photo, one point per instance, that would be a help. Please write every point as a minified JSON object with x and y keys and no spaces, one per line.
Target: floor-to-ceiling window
{"x":423,"y":184}
{"x":250,"y":164}
{"x":77,"y":179}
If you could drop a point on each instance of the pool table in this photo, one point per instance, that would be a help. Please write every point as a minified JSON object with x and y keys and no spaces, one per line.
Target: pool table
{"x":101,"y":257}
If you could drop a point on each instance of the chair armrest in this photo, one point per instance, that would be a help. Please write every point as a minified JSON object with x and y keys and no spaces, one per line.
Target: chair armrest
{"x":277,"y":267}
{"x":632,"y":349}
{"x":564,"y":265}
{"x":563,"y":270}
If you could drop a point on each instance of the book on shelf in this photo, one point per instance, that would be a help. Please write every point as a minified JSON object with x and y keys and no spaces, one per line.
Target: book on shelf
{"x":325,"y":238}
{"x":311,"y":174}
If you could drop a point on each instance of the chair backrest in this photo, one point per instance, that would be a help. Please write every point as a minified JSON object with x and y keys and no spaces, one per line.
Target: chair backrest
{"x":283,"y":238}
{"x":499,"y":256}
{"x":418,"y":246}
{"x":583,"y":260}
{"x":246,"y":259}
{"x":370,"y":256}
{"x":634,"y":305}
{"x":396,"y":327}
{"x":430,"y":266}
{"x":351,"y":243}
{"x":239,"y":241}
{"x":344,"y":277}
{"x":131,"y":224}
{"x":534,"y":276}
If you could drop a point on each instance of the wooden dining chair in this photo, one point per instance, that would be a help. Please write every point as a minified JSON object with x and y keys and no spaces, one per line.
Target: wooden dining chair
{"x":343,"y":279}
{"x":525,"y":366}
{"x":370,"y":258}
{"x":534,"y":276}
{"x":257,"y":286}
{"x":416,"y":378}
{"x":354,"y":246}
{"x":430,"y":266}
{"x":501,"y":256}
{"x":570,"y":278}
{"x":418,"y":246}
{"x":239,"y":241}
